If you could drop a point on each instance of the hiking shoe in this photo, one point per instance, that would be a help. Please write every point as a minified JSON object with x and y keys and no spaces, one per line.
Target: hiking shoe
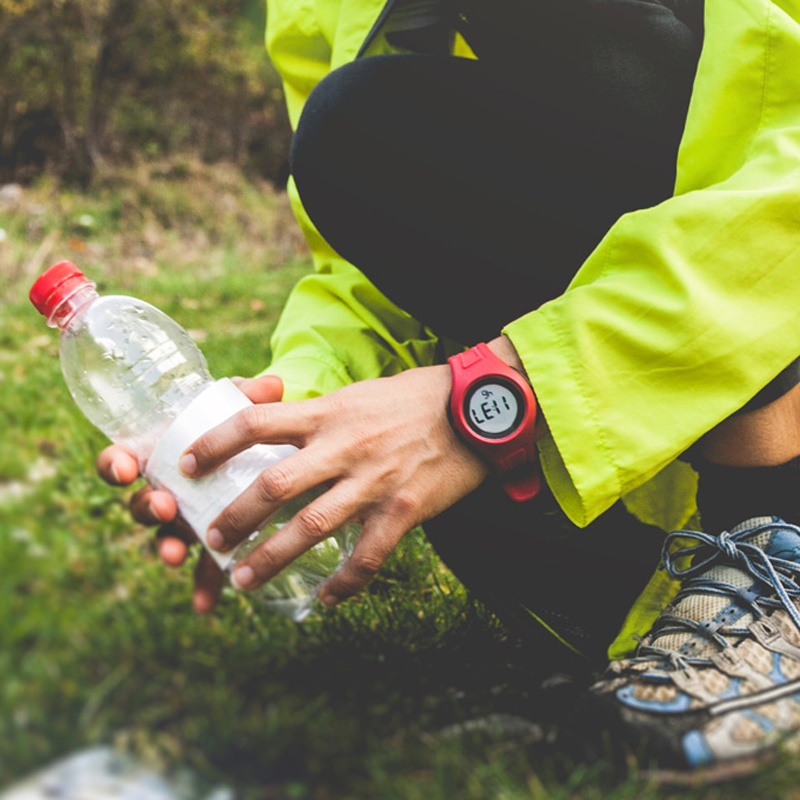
{"x":714,"y":687}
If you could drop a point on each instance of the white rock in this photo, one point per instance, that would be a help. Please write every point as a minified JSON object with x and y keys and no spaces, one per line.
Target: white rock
{"x":10,"y":193}
{"x":100,"y":773}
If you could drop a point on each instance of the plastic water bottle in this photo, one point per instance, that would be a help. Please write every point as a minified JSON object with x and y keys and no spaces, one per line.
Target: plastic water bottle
{"x":139,"y":377}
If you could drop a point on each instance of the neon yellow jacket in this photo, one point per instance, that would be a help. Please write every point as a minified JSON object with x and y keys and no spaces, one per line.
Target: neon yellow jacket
{"x":678,"y":317}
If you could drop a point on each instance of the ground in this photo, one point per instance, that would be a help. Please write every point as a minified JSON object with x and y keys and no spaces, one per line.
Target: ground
{"x":411,"y":691}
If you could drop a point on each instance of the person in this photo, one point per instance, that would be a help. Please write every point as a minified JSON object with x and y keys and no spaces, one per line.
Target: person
{"x":606,"y":192}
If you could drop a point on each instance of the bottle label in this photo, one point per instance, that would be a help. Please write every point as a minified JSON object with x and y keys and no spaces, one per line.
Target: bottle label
{"x":200,"y":501}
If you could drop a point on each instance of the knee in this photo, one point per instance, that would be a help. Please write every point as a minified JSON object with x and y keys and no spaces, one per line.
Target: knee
{"x":333,"y":135}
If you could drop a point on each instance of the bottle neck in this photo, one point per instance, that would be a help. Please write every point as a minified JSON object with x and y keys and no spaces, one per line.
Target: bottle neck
{"x":63,"y":314}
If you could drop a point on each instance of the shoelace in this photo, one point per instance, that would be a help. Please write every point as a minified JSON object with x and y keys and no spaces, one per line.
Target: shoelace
{"x":776,"y":575}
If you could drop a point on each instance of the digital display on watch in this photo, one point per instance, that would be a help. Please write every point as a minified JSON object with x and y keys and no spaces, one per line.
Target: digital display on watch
{"x":494,"y":408}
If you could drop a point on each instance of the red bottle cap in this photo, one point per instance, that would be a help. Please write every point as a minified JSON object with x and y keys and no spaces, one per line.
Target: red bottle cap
{"x":54,"y":285}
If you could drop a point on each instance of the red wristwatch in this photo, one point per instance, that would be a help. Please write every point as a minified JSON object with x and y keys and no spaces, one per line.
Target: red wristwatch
{"x":493,"y":410}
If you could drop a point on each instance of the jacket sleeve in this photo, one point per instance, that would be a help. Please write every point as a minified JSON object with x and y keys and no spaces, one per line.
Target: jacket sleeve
{"x":685,"y":310}
{"x":336,"y":327}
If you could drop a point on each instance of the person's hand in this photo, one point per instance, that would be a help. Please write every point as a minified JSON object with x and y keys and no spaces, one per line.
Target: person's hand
{"x":153,"y":507}
{"x":385,"y":449}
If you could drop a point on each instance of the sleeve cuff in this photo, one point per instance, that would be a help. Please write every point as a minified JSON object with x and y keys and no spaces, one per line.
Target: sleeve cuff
{"x":590,"y":484}
{"x":307,"y":375}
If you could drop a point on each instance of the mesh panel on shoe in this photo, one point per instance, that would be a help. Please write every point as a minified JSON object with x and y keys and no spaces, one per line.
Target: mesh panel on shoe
{"x":714,"y":680}
{"x":788,"y":628}
{"x":790,"y":668}
{"x":661,"y":693}
{"x":756,"y":656}
{"x":747,"y":730}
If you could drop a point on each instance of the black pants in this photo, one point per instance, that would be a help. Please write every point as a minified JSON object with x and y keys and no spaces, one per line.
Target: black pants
{"x":470,"y":192}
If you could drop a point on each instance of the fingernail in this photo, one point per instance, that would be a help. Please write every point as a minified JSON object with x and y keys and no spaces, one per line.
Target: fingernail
{"x":188,"y":464}
{"x":243,"y":577}
{"x":215,"y":539}
{"x":114,"y":474}
{"x":200,"y":607}
{"x":329,"y":600}
{"x":156,"y":514}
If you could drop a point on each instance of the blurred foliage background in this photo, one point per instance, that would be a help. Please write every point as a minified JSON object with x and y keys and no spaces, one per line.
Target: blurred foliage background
{"x":88,"y":85}
{"x":144,"y":139}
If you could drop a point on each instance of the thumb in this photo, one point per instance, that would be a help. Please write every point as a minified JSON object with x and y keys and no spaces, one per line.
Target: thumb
{"x":263,"y":389}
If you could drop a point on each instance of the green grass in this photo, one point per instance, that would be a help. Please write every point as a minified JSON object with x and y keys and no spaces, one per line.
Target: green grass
{"x":97,"y":641}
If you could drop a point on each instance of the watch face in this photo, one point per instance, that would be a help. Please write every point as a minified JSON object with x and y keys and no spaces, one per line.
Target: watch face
{"x":494,"y":408}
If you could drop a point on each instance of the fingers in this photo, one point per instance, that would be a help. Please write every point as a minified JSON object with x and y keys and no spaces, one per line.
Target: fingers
{"x":264,"y":389}
{"x":380,"y":536}
{"x":271,"y":490}
{"x":153,"y":507}
{"x":310,"y":525}
{"x":172,"y":550}
{"x":117,"y":466}
{"x":207,"y":584}
{"x":275,"y":423}
{"x":150,"y":506}
{"x":378,"y":540}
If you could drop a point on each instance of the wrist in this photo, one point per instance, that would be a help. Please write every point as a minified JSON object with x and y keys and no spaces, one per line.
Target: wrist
{"x":505,"y":350}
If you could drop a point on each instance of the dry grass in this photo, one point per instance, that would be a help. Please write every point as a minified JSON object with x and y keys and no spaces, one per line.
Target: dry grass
{"x":142,"y":218}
